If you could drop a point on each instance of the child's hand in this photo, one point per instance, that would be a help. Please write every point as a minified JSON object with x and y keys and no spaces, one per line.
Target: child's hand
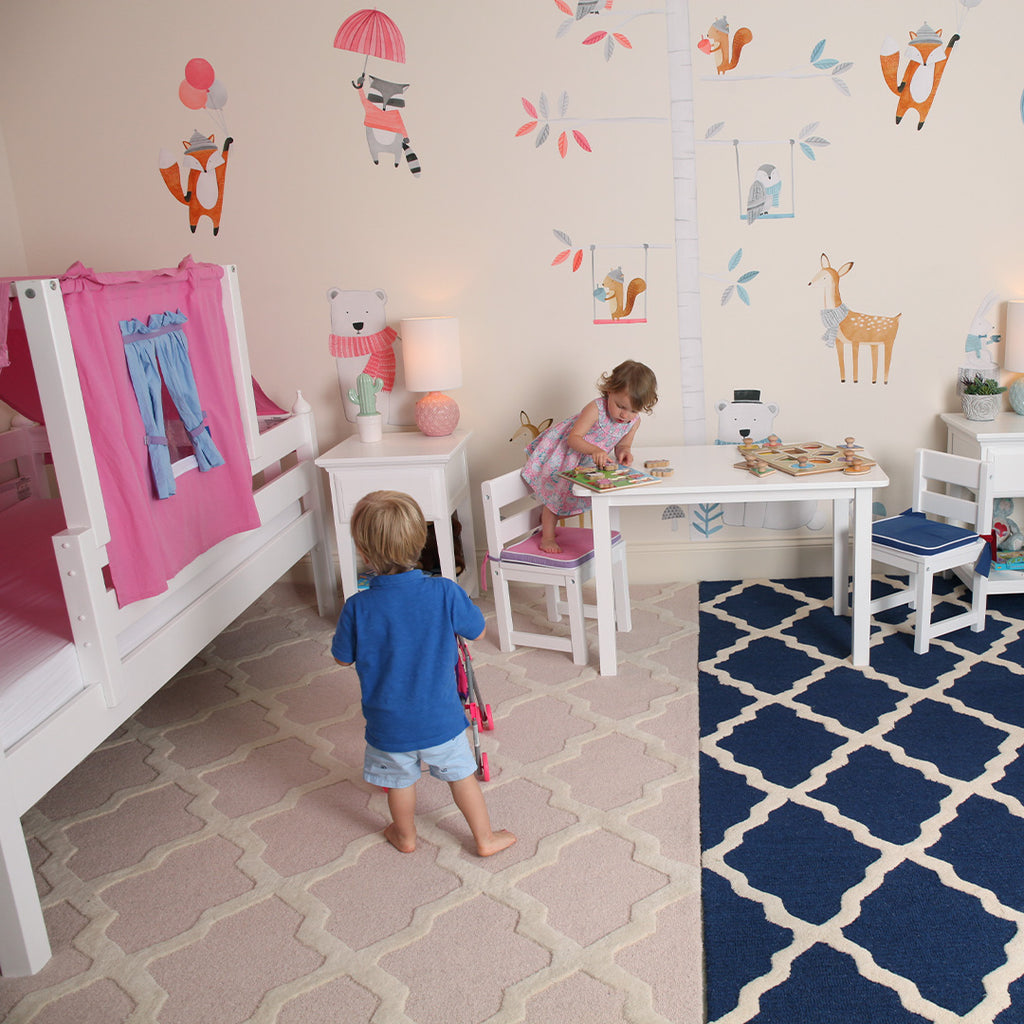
{"x":601,"y":459}
{"x":625,"y":456}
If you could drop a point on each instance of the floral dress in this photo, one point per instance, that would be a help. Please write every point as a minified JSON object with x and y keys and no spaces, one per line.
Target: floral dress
{"x":549,"y":454}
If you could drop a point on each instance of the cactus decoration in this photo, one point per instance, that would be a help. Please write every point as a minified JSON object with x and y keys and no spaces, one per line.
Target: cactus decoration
{"x":365,"y":393}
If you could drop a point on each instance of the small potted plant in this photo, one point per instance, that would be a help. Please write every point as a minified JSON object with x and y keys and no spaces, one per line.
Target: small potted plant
{"x":369,"y":421}
{"x":980,"y":396}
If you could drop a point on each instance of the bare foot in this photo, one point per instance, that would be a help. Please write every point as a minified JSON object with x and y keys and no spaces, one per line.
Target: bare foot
{"x":401,"y":844}
{"x":550,"y":546}
{"x":499,"y":841}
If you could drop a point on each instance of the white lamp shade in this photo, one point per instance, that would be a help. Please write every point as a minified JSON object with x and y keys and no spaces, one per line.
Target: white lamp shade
{"x":430,"y":352}
{"x":1013,"y":342}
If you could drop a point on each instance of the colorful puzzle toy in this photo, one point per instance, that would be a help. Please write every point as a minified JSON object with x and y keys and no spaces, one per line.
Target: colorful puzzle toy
{"x":805,"y":458}
{"x":614,"y":477}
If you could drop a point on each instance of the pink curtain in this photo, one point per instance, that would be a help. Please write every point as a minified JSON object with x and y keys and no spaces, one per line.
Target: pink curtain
{"x":152,"y":540}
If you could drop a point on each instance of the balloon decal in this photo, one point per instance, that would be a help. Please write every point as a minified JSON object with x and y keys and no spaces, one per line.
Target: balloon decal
{"x":201,"y":89}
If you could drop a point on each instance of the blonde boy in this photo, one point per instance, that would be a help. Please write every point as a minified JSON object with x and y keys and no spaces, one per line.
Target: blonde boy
{"x":400,"y":635}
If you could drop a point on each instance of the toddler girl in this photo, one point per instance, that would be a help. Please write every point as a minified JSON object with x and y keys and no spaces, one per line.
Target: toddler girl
{"x":607,"y":424}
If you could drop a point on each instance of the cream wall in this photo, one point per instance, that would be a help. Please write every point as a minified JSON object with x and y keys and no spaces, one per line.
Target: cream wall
{"x":12,"y":252}
{"x":88,"y":96}
{"x":929,"y":217}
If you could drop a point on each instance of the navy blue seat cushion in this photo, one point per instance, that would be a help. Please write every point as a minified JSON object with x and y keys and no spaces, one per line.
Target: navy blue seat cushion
{"x":916,"y":534}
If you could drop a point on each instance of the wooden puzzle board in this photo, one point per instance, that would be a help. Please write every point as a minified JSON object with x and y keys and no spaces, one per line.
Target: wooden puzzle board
{"x":620,"y":478}
{"x":821,"y":458}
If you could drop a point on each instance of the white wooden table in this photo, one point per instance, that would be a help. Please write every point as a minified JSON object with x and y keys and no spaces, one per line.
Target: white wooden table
{"x":706,"y":474}
{"x":434,"y":470}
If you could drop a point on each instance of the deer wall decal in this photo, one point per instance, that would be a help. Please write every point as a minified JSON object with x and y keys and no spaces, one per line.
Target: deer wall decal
{"x":843,"y":326}
{"x":528,"y":429}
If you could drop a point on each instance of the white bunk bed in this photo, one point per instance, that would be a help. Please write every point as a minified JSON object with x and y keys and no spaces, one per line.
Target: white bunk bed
{"x":74,"y":665}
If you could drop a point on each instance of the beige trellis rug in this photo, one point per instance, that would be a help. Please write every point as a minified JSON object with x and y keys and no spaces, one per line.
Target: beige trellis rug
{"x":220,"y":860}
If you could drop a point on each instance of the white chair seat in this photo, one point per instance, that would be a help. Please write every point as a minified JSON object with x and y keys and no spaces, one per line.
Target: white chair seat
{"x":512,"y":517}
{"x":920,"y":546}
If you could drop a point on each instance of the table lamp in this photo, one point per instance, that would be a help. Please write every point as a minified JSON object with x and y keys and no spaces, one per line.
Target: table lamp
{"x":430,"y":348}
{"x":1013,"y":353}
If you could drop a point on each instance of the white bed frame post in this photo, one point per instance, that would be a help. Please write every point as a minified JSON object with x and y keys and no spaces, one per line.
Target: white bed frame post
{"x":325,"y":575}
{"x":26,"y":948}
{"x":81,"y":547}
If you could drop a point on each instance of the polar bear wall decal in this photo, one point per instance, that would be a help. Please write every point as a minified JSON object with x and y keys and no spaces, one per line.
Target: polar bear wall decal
{"x":362,"y":342}
{"x":747,"y":418}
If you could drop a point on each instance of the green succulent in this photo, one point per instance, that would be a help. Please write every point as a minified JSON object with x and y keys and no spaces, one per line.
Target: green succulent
{"x":977,"y":384}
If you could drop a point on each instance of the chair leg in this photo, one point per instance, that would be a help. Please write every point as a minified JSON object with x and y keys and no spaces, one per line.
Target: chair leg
{"x":577,"y":622}
{"x":502,"y":609}
{"x":620,"y":583}
{"x":553,"y":596}
{"x":979,"y":602}
{"x":923,"y":615}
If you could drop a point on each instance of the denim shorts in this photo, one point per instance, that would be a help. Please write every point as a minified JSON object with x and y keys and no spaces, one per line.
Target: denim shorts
{"x":450,"y":761}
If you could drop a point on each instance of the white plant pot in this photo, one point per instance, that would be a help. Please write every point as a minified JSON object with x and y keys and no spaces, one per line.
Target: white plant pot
{"x":981,"y":407}
{"x":371,"y":428}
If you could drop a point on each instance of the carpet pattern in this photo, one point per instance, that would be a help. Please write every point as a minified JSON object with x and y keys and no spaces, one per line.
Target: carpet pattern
{"x":220,"y":860}
{"x":861,"y":829}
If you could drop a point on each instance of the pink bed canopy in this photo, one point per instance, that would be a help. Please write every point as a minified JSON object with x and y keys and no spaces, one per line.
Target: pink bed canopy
{"x":151,"y":539}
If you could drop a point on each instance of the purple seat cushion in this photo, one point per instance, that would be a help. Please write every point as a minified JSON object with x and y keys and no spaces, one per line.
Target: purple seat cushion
{"x":577,"y":546}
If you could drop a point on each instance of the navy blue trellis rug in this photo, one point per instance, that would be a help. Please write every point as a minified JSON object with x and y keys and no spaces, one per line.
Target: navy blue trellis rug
{"x":862,"y":830}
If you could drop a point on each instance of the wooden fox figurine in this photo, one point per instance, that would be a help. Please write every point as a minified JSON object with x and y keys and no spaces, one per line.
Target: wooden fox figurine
{"x":926,"y":64}
{"x":206,"y":170}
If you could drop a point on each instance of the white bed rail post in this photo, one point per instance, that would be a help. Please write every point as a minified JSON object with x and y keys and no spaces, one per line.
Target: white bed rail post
{"x":232,"y":300}
{"x":81,"y":549}
{"x":81,"y":569}
{"x":60,"y":393}
{"x":324,"y":575}
{"x":24,"y":947}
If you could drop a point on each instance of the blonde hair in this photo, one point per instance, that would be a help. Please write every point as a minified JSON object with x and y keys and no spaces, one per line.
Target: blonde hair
{"x":637,"y":380}
{"x":389,"y":531}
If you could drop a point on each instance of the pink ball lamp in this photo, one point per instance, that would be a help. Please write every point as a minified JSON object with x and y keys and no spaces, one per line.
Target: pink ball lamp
{"x":430,"y":348}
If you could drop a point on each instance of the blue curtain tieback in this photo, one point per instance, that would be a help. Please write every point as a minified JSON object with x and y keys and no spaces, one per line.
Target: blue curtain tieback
{"x":199,"y":428}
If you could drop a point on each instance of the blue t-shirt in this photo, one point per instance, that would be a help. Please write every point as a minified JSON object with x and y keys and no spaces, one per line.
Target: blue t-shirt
{"x":400,"y":633}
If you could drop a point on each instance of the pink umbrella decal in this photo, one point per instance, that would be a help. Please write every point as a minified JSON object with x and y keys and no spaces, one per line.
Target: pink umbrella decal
{"x":373,"y":33}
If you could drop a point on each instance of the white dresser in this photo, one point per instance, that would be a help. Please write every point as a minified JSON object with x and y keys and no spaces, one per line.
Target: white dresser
{"x":1002,"y":441}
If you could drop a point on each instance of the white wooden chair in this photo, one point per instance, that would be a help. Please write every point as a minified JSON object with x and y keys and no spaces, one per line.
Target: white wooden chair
{"x":512,"y":516}
{"x":922,"y":546}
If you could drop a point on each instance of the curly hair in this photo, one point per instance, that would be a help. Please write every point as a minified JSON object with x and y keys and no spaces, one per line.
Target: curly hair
{"x":636,"y":379}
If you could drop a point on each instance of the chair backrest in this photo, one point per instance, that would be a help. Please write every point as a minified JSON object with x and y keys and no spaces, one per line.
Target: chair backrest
{"x":511,"y":512}
{"x":964,"y":487}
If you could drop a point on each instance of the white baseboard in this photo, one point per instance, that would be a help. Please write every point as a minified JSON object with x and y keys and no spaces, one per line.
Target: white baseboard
{"x":688,"y":561}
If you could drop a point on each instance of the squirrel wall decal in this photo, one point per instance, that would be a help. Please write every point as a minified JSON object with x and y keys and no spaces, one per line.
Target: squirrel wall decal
{"x":613,"y":289}
{"x":716,"y":44}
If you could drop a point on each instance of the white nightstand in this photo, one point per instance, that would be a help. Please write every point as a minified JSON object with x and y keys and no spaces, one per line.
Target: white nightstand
{"x":1002,"y":441}
{"x":434,"y":470}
